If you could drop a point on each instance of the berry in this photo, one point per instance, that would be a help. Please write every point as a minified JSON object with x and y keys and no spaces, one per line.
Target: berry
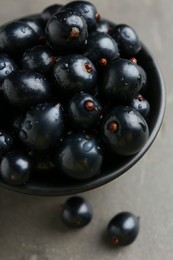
{"x":24,"y":88}
{"x":16,"y":168}
{"x":37,"y":27}
{"x":40,"y":59}
{"x":84,"y":111}
{"x":76,"y":212}
{"x":101,"y":46}
{"x":127,"y":39}
{"x":79,"y":156}
{"x":7,"y":66}
{"x":87,"y":10}
{"x":42,"y":127}
{"x":141,"y":105}
{"x":16,"y":37}
{"x":124,"y":131}
{"x":74,"y":73}
{"x":123,"y":229}
{"x":105,"y":26}
{"x":66,"y":31}
{"x":120,"y":81}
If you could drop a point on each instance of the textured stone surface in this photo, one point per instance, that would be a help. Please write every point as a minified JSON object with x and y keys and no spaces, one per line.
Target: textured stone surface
{"x":30,"y":227}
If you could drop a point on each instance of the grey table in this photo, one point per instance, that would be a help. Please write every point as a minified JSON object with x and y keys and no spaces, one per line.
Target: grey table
{"x":30,"y":227}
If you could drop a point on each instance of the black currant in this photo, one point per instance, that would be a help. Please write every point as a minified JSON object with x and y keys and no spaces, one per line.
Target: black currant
{"x":79,"y":156}
{"x":141,"y":105}
{"x":101,"y":49}
{"x":127,"y":39}
{"x":42,"y":127}
{"x":88,"y":11}
{"x":84,"y":111}
{"x":67,"y":31}
{"x":124,"y":131}
{"x":123,"y":229}
{"x":24,"y":88}
{"x":7,"y":66}
{"x":120,"y":81}
{"x":40,"y":59}
{"x":16,"y":168}
{"x":105,"y":26}
{"x":37,"y":27}
{"x":76,"y":212}
{"x":16,"y":37}
{"x":74,"y":73}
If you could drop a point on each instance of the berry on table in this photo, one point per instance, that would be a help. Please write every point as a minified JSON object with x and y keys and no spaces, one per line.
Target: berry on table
{"x":76,"y":212}
{"x":123,"y":229}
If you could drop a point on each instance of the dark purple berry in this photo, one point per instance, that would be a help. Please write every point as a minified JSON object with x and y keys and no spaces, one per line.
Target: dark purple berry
{"x":84,"y":111}
{"x":123,"y":229}
{"x":24,"y":88}
{"x":76,"y":212}
{"x":124,"y":131}
{"x":42,"y":127}
{"x":66,"y":31}
{"x":16,"y":168}
{"x":127,"y":39}
{"x":79,"y":156}
{"x":74,"y":73}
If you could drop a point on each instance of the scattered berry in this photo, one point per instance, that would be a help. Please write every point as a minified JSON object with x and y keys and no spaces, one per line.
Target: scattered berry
{"x":76,"y":212}
{"x":123,"y":229}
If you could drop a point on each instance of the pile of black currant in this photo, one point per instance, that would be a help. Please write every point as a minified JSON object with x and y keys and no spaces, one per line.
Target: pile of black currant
{"x":71,"y":93}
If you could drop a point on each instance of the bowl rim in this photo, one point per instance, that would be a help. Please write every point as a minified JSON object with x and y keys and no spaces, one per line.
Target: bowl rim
{"x":102,"y":179}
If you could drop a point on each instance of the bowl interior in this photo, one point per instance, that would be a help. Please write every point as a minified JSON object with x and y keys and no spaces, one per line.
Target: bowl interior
{"x":54,"y":184}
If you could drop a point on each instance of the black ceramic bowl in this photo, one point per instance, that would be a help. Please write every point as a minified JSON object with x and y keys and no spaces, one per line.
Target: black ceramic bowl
{"x":52,"y":184}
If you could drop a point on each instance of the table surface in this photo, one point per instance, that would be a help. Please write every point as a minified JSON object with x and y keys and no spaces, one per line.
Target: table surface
{"x":30,"y":226}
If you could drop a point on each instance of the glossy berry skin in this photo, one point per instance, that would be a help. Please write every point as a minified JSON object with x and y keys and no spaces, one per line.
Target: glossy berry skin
{"x":37,"y":27}
{"x":74,"y":73}
{"x":16,"y":168}
{"x":127,"y":39}
{"x":40,"y":59}
{"x":84,"y":111}
{"x":79,"y":156}
{"x":105,"y":26}
{"x":16,"y":37}
{"x":144,"y":87}
{"x":76,"y":212}
{"x":100,"y":47}
{"x":67,"y":31}
{"x":141,"y":105}
{"x":124,"y":131}
{"x":87,"y":10}
{"x":7,"y":66}
{"x":49,"y":11}
{"x":24,"y":88}
{"x":6,"y":142}
{"x":120,"y":81}
{"x":123,"y":229}
{"x":42,"y":127}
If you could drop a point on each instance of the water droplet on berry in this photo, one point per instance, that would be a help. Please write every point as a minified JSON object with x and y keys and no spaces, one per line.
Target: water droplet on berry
{"x":87,"y":146}
{"x":23,"y":30}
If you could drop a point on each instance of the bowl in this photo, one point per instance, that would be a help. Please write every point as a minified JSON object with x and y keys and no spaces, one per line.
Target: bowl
{"x":54,"y":185}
